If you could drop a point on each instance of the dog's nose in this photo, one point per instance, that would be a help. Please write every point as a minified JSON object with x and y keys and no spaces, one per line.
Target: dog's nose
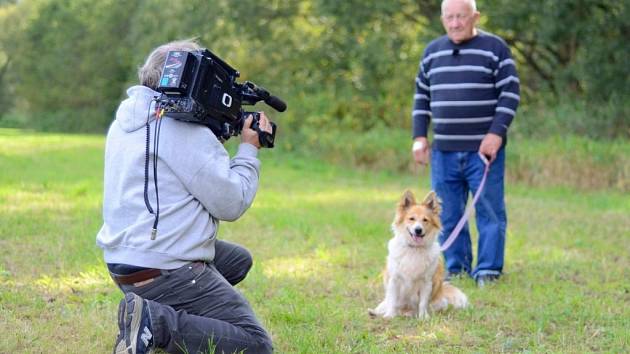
{"x":418,"y":231}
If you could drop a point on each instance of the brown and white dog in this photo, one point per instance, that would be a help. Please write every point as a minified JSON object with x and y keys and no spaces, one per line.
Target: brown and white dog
{"x":413,"y":277}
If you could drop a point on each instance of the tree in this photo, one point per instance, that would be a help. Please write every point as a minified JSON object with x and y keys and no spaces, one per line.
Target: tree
{"x":578,"y":46}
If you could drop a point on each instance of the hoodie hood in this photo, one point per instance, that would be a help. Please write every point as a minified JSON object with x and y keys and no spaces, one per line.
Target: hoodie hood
{"x":133,"y":112}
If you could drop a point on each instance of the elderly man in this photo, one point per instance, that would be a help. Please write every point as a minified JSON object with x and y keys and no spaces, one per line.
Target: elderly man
{"x":467,"y":86}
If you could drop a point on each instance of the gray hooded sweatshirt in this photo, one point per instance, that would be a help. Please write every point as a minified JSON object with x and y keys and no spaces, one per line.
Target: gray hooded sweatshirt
{"x":198,"y":185}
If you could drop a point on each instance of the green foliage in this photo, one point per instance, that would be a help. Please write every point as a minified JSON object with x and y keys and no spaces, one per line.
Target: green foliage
{"x":348,"y":63}
{"x":66,"y":59}
{"x":578,"y":47}
{"x":10,"y":25}
{"x":574,"y":116}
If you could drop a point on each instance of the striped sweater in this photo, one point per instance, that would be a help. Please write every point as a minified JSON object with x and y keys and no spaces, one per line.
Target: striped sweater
{"x":466,"y":90}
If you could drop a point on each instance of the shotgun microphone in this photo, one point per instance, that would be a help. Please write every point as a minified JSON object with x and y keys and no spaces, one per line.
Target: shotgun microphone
{"x":276,"y":103}
{"x":273,"y":101}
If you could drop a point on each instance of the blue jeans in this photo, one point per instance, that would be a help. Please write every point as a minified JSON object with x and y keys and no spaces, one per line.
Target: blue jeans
{"x":455,"y":175}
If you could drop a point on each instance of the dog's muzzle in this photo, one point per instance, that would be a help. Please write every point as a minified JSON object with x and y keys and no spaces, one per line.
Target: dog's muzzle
{"x":417,"y":231}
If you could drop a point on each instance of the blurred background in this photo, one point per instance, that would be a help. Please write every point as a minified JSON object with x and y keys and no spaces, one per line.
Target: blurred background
{"x":345,"y":68}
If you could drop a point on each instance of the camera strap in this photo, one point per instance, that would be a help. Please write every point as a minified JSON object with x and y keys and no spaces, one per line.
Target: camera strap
{"x":159,"y":112}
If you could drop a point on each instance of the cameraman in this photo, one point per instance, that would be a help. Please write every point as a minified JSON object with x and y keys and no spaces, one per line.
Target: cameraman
{"x":178,"y":285}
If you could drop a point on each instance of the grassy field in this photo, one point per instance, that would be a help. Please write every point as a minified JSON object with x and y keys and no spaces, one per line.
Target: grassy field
{"x":318,"y":234}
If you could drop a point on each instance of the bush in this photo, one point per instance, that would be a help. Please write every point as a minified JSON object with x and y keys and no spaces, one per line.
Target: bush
{"x":574,"y":116}
{"x":558,"y":160}
{"x":572,"y":161}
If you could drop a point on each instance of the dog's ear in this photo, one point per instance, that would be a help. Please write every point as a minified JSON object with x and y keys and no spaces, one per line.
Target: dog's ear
{"x":433,"y":202}
{"x":407,"y":200}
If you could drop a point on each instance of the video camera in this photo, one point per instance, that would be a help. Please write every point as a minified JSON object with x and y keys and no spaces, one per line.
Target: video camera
{"x":199,"y":87}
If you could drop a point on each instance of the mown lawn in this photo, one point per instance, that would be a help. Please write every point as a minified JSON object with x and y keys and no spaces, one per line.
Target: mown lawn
{"x":318,"y":234}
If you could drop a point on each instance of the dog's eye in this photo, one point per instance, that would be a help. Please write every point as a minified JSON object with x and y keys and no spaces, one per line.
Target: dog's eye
{"x":425,"y":219}
{"x":412,"y":219}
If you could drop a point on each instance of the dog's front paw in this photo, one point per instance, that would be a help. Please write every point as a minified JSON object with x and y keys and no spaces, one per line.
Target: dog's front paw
{"x":408,"y":313}
{"x":388,"y":315}
{"x":423,"y":314}
{"x":378,"y":311}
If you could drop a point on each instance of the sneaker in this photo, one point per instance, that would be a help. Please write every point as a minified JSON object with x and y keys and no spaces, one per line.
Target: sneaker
{"x":450,"y":276}
{"x":136,"y":325}
{"x":486,"y":279}
{"x":119,"y":347}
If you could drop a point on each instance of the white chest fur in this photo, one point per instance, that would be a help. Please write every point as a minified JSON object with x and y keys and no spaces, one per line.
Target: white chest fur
{"x":413,"y":263}
{"x":410,"y":270}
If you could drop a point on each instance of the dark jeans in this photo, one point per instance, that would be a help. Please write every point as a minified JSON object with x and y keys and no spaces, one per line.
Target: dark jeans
{"x":455,"y":176}
{"x":196,"y":308}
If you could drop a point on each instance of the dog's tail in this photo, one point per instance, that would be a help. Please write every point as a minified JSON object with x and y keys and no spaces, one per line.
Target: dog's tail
{"x":454,"y":297}
{"x":444,"y":294}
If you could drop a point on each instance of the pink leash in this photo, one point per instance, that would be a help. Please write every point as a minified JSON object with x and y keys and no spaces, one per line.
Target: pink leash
{"x":451,"y":238}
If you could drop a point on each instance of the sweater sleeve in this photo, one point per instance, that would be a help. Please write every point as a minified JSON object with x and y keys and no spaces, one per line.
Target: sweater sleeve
{"x":508,"y":90}
{"x":421,"y":113}
{"x":225,"y":187}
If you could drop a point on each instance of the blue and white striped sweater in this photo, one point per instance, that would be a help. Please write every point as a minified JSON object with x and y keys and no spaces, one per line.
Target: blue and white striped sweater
{"x":466,"y":90}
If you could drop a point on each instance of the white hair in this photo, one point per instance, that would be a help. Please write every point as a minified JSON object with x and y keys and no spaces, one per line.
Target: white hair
{"x":151,"y":71}
{"x":471,"y":3}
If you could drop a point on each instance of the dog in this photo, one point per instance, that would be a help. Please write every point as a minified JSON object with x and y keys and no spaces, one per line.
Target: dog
{"x":413,"y":277}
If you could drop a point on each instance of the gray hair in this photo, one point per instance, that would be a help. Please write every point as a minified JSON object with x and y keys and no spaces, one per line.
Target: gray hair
{"x":150,"y":73}
{"x":471,"y":3}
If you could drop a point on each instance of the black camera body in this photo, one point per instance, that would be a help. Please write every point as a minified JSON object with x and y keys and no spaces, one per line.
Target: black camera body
{"x":200,"y":87}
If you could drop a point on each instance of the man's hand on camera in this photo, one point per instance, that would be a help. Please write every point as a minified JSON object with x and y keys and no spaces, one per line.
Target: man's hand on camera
{"x":249,"y":135}
{"x":420,"y":150}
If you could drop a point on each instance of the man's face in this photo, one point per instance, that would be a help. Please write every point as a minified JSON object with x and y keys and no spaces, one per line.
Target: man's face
{"x":459,"y":20}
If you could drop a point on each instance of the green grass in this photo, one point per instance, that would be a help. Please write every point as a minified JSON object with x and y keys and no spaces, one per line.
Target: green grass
{"x":318,"y":235}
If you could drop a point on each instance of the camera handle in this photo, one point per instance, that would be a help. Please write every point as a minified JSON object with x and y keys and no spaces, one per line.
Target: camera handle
{"x":265,"y":139}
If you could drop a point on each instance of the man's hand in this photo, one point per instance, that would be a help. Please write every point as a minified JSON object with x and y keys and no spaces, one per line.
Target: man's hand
{"x":420,"y":150}
{"x":249,"y":135}
{"x":490,"y":145}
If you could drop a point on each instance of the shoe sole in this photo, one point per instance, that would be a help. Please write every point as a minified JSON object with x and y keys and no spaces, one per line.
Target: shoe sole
{"x":122,"y":311}
{"x":486,"y":282}
{"x":132,"y":322}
